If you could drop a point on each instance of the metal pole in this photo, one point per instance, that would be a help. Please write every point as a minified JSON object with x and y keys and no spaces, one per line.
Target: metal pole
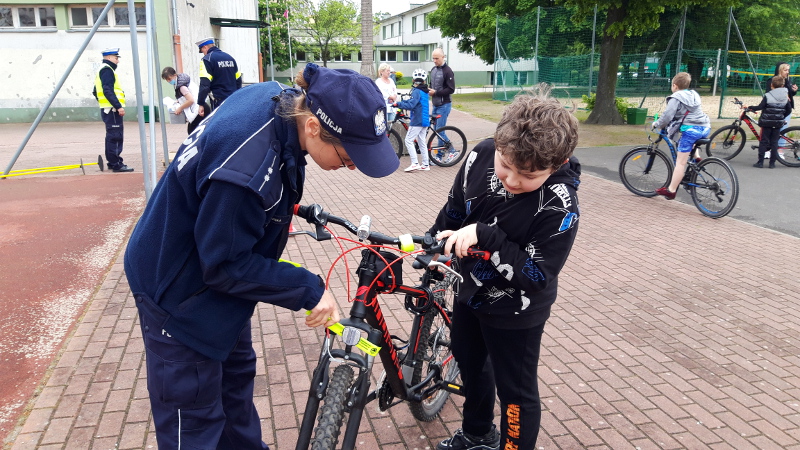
{"x":724,"y":67}
{"x":58,"y":86}
{"x":591,"y":61}
{"x":680,"y":41}
{"x":151,"y":93}
{"x":716,"y":74}
{"x":269,"y":38}
{"x":137,"y":76}
{"x":160,"y":90}
{"x":536,"y":47}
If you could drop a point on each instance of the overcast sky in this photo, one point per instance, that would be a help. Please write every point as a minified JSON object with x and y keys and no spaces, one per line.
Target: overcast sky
{"x":391,"y":6}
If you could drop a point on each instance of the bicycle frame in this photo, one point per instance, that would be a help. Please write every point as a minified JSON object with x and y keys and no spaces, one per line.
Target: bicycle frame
{"x":378,"y":274}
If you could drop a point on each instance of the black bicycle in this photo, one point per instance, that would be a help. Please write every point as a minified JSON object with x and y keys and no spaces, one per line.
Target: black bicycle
{"x":454,"y":142}
{"x":419,"y":370}
{"x":728,"y":141}
{"x":711,"y":182}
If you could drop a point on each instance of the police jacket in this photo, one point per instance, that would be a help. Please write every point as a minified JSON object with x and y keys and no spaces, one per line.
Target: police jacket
{"x":775,"y":107}
{"x":219,"y":75}
{"x":206,"y":248}
{"x":418,"y":105}
{"x":529,"y":237}
{"x":107,"y":90}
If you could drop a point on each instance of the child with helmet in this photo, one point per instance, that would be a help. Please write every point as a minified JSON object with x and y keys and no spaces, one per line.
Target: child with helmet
{"x":420,"y":120}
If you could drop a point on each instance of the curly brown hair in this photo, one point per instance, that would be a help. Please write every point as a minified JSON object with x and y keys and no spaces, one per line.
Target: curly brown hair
{"x":536,"y":131}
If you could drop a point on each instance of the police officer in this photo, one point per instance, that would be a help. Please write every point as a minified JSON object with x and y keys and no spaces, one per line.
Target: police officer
{"x":219,"y":75}
{"x":111,"y":98}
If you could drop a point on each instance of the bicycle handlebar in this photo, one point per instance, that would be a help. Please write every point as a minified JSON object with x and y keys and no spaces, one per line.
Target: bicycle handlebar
{"x":314,"y":214}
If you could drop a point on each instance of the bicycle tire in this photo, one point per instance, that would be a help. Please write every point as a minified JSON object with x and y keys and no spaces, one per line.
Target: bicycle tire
{"x":433,"y":347}
{"x":789,"y":152}
{"x":329,"y":424}
{"x":726,"y":142}
{"x":454,"y":149}
{"x":643,"y":170}
{"x":714,"y":187}
{"x":397,"y":142}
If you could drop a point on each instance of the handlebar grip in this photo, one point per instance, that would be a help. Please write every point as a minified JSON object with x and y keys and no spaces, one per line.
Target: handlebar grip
{"x":475,"y":252}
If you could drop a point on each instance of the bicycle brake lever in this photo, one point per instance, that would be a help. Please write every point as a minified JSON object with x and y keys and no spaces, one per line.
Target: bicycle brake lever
{"x":446,"y":268}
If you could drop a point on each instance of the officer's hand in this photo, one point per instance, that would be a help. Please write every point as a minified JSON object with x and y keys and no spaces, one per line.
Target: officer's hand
{"x":121,"y":112}
{"x":200,"y":111}
{"x":325,"y":313}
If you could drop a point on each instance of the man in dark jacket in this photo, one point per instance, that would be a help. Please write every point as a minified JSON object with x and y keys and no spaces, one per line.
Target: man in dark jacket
{"x":111,"y":98}
{"x":219,"y":75}
{"x":443,"y":84}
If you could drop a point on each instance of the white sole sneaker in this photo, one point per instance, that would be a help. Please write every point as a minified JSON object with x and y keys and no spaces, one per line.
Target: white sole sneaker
{"x":412,"y":168}
{"x":425,"y":168}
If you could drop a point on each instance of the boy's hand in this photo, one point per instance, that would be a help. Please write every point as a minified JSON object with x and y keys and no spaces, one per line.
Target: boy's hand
{"x":459,"y":241}
{"x":325,"y":313}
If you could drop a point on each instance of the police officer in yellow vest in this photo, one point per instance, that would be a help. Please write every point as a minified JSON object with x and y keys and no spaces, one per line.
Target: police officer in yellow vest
{"x":219,"y":74}
{"x":111,"y":98}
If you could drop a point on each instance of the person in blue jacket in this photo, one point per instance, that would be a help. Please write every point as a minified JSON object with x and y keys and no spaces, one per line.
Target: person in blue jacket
{"x":420,"y":119}
{"x":206,"y":249}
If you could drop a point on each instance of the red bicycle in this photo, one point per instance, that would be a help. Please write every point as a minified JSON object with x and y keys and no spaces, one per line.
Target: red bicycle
{"x":419,"y":370}
{"x":728,"y":141}
{"x":453,"y":140}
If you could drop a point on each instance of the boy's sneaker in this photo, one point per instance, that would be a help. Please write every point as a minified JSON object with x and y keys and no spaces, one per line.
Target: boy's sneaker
{"x":412,"y":168}
{"x":666,"y":193}
{"x":464,"y":441}
{"x":425,"y":168}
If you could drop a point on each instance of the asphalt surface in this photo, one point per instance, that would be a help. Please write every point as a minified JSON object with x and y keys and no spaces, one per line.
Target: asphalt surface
{"x":672,"y":330}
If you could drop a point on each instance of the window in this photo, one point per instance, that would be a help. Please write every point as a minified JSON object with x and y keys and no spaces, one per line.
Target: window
{"x":384,"y":31}
{"x":390,"y":31}
{"x":359,"y":57}
{"x":411,"y":55}
{"x":300,"y":55}
{"x":87,"y":16}
{"x":414,"y":24}
{"x":388,"y":55}
{"x":27,"y":17}
{"x":339,"y":57}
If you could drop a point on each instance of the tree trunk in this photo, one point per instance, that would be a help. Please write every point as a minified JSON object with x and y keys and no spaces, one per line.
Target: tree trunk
{"x":605,"y":107}
{"x":367,"y":25}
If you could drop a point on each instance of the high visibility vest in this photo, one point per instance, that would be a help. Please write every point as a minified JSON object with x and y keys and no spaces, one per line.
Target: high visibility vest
{"x":101,"y":96}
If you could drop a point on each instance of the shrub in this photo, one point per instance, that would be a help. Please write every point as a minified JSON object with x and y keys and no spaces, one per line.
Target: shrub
{"x":622,"y":104}
{"x":398,"y":77}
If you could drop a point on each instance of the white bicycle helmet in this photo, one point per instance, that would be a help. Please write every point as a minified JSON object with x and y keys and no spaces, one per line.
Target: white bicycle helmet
{"x":420,"y":74}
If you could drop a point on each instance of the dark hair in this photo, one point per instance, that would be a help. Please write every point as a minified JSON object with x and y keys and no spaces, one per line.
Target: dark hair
{"x":536,"y":131}
{"x":168,"y":72}
{"x":291,"y":107}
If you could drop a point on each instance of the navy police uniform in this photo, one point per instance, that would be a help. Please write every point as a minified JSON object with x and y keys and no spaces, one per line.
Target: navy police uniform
{"x":219,"y":75}
{"x":228,"y":199}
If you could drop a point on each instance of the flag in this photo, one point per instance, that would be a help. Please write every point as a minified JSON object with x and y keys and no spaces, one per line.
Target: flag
{"x":286,"y":14}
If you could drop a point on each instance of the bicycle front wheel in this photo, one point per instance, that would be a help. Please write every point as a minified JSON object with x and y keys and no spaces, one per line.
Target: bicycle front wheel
{"x":714,"y":187}
{"x":789,"y":148}
{"x":397,"y":142}
{"x":433,"y":351}
{"x":643,"y":170}
{"x":453,"y":149}
{"x":726,"y":142}
{"x":326,"y":435}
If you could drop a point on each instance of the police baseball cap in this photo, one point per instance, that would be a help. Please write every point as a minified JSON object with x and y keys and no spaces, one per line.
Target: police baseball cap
{"x":351,"y":107}
{"x":204,"y":41}
{"x":111,"y":51}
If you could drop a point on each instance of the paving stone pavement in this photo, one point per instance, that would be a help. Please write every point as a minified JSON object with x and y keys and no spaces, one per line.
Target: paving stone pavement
{"x":671,"y":331}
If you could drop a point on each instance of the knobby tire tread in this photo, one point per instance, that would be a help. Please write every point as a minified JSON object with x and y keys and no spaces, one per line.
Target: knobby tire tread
{"x":326,"y":435}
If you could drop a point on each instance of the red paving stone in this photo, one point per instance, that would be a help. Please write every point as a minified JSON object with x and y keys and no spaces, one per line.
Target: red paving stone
{"x":671,"y":330}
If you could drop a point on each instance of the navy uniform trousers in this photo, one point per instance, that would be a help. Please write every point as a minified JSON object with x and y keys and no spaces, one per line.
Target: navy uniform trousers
{"x":211,"y":406}
{"x":114,"y":133}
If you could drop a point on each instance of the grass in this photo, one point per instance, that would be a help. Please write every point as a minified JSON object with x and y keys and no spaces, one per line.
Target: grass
{"x":481,"y":104}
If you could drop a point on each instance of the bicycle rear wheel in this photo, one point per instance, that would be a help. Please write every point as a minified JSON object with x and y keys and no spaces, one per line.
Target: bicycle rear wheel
{"x":726,"y":142}
{"x":454,"y":148}
{"x":714,"y":187}
{"x":326,"y":435}
{"x":397,"y":142}
{"x":789,"y":151}
{"x":433,"y":351}
{"x":643,"y":170}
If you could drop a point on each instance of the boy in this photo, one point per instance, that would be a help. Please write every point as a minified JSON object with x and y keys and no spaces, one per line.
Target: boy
{"x":515,"y":196}
{"x":776,"y":107}
{"x":420,"y":119}
{"x":684,"y":112}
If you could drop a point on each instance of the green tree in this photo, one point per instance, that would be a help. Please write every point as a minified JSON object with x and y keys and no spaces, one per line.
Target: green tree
{"x":330,"y":27}
{"x":279,"y":31}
